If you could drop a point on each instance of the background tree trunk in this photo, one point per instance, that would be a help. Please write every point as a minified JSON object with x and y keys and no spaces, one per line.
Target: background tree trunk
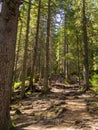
{"x":47,"y":49}
{"x":35,"y":48}
{"x":25,"y":53}
{"x":17,"y":54}
{"x":78,"y":56}
{"x":85,"y":40}
{"x":65,"y":60}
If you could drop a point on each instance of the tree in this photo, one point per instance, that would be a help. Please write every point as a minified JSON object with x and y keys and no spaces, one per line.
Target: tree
{"x":17,"y":52}
{"x":85,"y":40}
{"x":65,"y":50}
{"x":78,"y":56}
{"x":64,"y":39}
{"x":35,"y":47}
{"x":47,"y":49}
{"x":8,"y":31}
{"x":25,"y":52}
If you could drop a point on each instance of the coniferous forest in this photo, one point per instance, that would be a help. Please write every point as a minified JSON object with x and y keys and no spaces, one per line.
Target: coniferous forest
{"x":48,"y":64}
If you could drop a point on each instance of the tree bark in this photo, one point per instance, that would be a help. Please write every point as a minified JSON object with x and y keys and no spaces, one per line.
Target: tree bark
{"x":65,"y":49}
{"x":47,"y":49}
{"x":78,"y":56}
{"x":25,"y":52}
{"x":65,"y":60}
{"x":17,"y":54}
{"x":85,"y":40}
{"x":35,"y":48}
{"x":8,"y":31}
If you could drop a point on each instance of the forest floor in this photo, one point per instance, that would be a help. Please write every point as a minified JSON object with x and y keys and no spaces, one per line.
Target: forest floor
{"x":64,"y":108}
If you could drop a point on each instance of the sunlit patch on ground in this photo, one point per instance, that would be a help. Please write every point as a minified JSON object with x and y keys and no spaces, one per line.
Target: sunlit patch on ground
{"x":59,"y":110}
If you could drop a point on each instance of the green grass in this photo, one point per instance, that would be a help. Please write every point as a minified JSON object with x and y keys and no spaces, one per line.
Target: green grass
{"x":94,"y":82}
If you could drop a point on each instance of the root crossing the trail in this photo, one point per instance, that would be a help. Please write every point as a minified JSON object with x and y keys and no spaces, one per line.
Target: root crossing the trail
{"x":62,"y":109}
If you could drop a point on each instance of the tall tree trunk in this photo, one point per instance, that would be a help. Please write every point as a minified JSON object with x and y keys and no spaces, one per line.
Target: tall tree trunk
{"x":47,"y":49}
{"x":85,"y":40}
{"x":8,"y":31}
{"x":65,"y":60}
{"x":78,"y":56}
{"x":35,"y":47}
{"x":25,"y":52}
{"x":17,"y":53}
{"x":65,"y":48}
{"x":42,"y":53}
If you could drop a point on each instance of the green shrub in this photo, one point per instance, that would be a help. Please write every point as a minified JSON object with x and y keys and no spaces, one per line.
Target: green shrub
{"x":94,"y":82}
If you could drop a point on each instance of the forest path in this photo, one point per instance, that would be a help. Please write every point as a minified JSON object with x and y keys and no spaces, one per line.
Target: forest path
{"x":62,"y":109}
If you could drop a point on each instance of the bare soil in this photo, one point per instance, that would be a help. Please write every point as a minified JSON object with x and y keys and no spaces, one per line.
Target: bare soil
{"x":64,"y":108}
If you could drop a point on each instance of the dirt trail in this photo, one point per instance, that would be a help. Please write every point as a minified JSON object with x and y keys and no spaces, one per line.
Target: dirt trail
{"x":62,"y":109}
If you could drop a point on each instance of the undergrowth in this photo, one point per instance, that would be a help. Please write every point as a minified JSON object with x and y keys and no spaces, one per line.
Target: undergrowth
{"x":94,"y":82}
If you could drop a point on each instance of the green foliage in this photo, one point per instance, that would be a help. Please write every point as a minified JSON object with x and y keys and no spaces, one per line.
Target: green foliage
{"x":17,"y":84}
{"x":94,"y":82}
{"x":28,"y":78}
{"x":69,"y":56}
{"x":66,"y":19}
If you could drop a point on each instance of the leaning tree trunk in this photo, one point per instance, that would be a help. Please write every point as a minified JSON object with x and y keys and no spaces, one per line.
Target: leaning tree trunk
{"x":8,"y":31}
{"x":85,"y":40}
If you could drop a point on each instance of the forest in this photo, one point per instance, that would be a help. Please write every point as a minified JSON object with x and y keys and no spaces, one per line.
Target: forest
{"x":48,"y":64}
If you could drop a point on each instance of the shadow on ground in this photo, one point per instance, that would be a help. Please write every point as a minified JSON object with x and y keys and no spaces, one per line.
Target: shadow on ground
{"x":64,"y":108}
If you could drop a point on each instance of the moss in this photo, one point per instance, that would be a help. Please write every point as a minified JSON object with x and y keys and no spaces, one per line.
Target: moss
{"x":17,"y":84}
{"x":11,"y":126}
{"x":94,"y":82}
